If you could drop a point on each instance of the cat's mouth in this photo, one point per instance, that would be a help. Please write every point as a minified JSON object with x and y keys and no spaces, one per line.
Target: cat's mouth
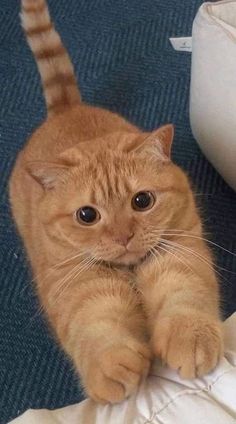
{"x":128,"y":259}
{"x":131,"y":258}
{"x":136,"y":258}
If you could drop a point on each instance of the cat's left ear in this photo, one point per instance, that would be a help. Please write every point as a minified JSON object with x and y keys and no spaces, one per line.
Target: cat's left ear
{"x":46,"y":173}
{"x":158,"y":143}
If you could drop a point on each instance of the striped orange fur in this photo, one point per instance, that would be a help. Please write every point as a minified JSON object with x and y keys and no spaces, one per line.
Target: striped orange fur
{"x":113,"y":235}
{"x":54,"y":64}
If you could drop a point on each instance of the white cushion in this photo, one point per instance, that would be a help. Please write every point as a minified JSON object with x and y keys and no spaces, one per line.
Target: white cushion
{"x":163,"y":398}
{"x":213,"y":85}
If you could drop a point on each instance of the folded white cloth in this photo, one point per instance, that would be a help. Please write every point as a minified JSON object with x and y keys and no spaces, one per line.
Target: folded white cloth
{"x":164,"y":398}
{"x":213,"y":85}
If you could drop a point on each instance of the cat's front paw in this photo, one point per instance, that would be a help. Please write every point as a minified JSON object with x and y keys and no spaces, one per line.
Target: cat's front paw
{"x":114,"y":373}
{"x":191,"y":343}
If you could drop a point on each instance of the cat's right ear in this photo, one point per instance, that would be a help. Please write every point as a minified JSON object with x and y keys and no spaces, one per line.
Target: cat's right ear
{"x":158,"y":143}
{"x":46,"y":173}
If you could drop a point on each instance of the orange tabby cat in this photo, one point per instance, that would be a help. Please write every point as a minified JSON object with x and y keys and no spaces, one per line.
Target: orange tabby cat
{"x":113,"y":235}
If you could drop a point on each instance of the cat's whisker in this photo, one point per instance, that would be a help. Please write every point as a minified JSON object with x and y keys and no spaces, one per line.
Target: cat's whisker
{"x":70,"y":274}
{"x":173,"y":232}
{"x":188,"y":250}
{"x":41,"y":309}
{"x":177,"y":257}
{"x":178,"y":230}
{"x":71,"y":258}
{"x":158,"y":233}
{"x":156,"y":255}
{"x":53,"y":269}
{"x":67,"y":277}
{"x":69,"y":281}
{"x":204,"y":194}
{"x":78,"y":267}
{"x":86,"y":268}
{"x":197,"y":255}
{"x":191,"y":251}
{"x":206,"y":240}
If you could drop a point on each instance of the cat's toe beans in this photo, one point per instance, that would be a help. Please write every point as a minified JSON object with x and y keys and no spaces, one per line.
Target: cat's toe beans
{"x":126,"y":366}
{"x":117,"y":373}
{"x":104,"y":390}
{"x":201,"y":361}
{"x":207,"y":355}
{"x":192,"y":346}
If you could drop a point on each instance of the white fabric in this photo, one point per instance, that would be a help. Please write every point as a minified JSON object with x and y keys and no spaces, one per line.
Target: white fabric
{"x":213,"y":85}
{"x":163,"y":398}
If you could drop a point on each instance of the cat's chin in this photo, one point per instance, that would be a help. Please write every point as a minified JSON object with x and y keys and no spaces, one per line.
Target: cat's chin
{"x":129,"y":258}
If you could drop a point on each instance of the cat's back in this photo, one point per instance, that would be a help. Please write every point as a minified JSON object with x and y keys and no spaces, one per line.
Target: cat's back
{"x":78,"y":124}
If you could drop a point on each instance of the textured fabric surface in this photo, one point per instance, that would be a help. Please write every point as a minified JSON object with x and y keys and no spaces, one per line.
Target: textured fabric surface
{"x":124,"y":62}
{"x":163,"y":398}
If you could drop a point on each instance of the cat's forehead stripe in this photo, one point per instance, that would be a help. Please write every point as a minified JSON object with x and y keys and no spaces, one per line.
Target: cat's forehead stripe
{"x":108,"y":187}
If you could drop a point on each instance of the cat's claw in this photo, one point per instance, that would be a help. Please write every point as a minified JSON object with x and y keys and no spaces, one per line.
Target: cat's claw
{"x":116,"y":372}
{"x":192,"y":344}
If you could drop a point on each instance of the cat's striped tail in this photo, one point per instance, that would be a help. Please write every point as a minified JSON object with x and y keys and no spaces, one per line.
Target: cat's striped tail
{"x":54,"y":64}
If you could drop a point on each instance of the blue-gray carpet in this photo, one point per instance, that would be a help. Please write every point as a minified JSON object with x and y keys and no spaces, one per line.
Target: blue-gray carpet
{"x":124,"y":62}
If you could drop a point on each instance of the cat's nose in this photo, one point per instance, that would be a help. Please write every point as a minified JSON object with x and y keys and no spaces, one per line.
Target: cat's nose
{"x":124,"y":239}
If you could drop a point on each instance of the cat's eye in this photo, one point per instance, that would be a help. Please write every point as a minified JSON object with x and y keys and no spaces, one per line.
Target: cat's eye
{"x":87,"y":215}
{"x":143,"y":201}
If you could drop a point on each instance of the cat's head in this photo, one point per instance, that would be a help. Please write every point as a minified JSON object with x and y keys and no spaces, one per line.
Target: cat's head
{"x":111,"y":198}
